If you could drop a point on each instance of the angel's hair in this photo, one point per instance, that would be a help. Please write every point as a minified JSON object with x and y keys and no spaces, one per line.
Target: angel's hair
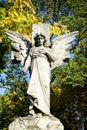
{"x":37,"y":39}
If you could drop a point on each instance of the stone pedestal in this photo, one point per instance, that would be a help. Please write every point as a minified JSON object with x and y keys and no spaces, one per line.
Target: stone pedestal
{"x":36,"y":122}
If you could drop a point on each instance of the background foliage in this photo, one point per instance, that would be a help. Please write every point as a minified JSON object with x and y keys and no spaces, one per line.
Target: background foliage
{"x":68,"y":82}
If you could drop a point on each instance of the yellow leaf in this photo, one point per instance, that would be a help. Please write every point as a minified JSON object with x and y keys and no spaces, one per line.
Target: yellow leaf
{"x":0,"y":40}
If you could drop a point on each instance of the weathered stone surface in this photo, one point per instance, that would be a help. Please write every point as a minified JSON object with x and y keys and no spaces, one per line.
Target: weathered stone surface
{"x":43,"y":29}
{"x":36,"y":122}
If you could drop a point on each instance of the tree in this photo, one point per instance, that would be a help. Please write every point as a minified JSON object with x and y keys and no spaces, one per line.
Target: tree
{"x":18,"y":16}
{"x":69,"y":90}
{"x":68,"y":12}
{"x":14,"y":102}
{"x":71,"y":79}
{"x":69,"y":86}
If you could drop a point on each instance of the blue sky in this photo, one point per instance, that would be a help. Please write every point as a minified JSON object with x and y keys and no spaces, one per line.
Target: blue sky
{"x":3,"y":0}
{"x":2,"y":90}
{"x":2,"y":76}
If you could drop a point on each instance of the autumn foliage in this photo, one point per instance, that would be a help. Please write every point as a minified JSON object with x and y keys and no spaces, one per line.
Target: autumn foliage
{"x":69,"y":82}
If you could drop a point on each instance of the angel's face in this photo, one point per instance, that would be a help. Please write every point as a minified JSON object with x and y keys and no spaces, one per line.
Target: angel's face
{"x":39,"y":40}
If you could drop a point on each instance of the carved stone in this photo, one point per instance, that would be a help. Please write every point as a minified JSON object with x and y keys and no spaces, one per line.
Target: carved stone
{"x":43,"y":29}
{"x":36,"y":122}
{"x":39,"y":56}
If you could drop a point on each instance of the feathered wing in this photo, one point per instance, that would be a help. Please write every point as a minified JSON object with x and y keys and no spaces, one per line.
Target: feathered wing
{"x":20,"y":46}
{"x":61,"y":46}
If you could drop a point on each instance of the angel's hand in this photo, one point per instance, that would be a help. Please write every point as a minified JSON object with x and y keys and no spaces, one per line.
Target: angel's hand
{"x":42,"y":50}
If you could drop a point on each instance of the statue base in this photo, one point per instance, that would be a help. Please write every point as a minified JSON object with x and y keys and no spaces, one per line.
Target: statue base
{"x":36,"y":122}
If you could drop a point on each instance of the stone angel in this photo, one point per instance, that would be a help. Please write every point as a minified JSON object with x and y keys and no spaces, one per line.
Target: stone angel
{"x":40,"y":56}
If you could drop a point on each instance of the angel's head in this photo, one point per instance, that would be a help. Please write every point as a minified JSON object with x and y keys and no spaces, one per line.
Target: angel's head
{"x":40,"y":40}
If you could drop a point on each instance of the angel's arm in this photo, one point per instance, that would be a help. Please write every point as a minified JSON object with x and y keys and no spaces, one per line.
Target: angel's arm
{"x":27,"y":64}
{"x":50,"y":54}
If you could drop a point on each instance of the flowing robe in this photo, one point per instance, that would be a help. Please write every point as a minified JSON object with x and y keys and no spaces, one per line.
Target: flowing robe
{"x":39,"y":85}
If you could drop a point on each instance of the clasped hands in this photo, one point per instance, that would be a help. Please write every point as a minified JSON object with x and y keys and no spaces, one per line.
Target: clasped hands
{"x":42,"y":50}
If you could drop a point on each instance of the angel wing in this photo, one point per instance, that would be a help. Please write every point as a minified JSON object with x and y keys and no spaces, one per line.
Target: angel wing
{"x":20,"y":46}
{"x":61,"y":46}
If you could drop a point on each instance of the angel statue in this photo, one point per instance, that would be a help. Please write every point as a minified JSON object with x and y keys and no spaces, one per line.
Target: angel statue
{"x":40,"y":56}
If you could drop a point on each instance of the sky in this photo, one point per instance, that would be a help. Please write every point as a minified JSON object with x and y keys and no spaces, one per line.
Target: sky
{"x":2,"y":90}
{"x":3,"y":0}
